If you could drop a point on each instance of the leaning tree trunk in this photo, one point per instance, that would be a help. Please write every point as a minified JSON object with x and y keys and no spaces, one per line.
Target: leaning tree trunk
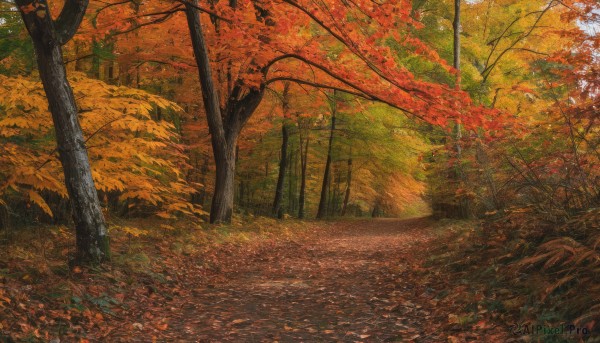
{"x":283,"y":162}
{"x":48,"y":37}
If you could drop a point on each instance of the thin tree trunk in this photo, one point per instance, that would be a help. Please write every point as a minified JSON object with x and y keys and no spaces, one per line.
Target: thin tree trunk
{"x":336,"y":191}
{"x":48,"y":37}
{"x":4,"y":218}
{"x":241,"y":194}
{"x":348,"y":185}
{"x":464,"y":203}
{"x":330,"y":193}
{"x":322,"y":212}
{"x":376,"y":209}
{"x":456,"y":28}
{"x":303,"y":162}
{"x":78,"y":60}
{"x":277,"y":203}
{"x":291,"y":181}
{"x":137,"y":77}
{"x":297,"y":157}
{"x":249,"y":196}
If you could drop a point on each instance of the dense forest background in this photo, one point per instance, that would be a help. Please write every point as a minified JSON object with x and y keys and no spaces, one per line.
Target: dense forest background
{"x":149,"y":145}
{"x":197,"y":112}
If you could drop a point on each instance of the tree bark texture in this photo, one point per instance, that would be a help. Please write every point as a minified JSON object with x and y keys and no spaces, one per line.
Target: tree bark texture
{"x":92,"y":244}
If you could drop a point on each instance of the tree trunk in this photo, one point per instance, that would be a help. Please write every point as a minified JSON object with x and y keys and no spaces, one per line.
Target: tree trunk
{"x":222,"y":202}
{"x":4,"y":217}
{"x":92,"y":245}
{"x":348,"y":185}
{"x":456,"y":64}
{"x":464,"y":203}
{"x":224,"y":151}
{"x":330,"y":192}
{"x":277,"y":203}
{"x":322,"y":212}
{"x":291,"y":181}
{"x":456,"y":28}
{"x":241,"y":194}
{"x":337,"y":203}
{"x":303,"y":162}
{"x":224,"y":124}
{"x":376,"y":209}
{"x":78,"y":58}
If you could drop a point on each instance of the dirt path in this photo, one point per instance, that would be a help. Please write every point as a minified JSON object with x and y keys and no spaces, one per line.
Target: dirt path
{"x":351,"y":283}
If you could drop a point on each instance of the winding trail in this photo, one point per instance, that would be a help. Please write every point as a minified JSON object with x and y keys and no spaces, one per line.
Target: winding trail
{"x":352,"y":282}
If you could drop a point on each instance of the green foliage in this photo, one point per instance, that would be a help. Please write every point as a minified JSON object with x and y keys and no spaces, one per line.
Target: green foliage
{"x":16,"y":50}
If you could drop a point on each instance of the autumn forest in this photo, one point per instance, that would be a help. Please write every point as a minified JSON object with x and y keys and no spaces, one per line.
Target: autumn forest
{"x":299,"y":171}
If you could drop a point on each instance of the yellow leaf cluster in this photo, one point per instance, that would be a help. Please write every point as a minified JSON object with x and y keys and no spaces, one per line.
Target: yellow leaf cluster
{"x":133,"y":155}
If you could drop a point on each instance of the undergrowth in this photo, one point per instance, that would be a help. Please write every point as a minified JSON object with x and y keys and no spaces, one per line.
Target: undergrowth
{"x":531,"y":275}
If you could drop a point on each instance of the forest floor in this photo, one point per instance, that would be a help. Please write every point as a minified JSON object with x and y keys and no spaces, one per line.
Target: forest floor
{"x":346,"y":281}
{"x":349,"y":283}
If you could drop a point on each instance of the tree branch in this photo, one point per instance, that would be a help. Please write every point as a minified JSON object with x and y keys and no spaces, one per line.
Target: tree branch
{"x":361,"y":90}
{"x":69,"y":19}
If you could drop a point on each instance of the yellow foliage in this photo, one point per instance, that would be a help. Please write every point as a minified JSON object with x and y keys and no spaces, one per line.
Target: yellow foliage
{"x":132,"y":154}
{"x":38,"y":200}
